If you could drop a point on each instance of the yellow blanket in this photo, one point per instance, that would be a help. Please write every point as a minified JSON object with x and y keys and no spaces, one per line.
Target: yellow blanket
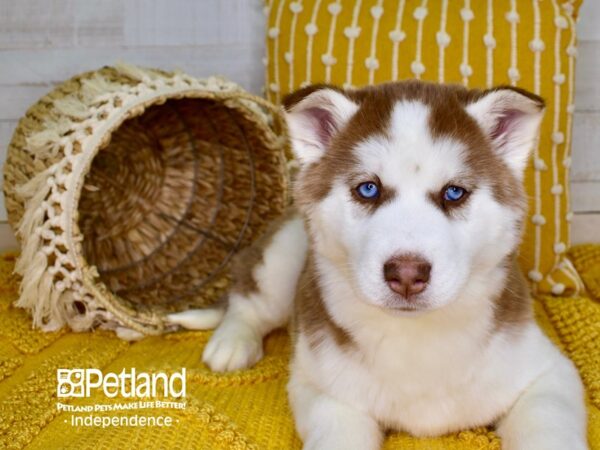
{"x":242,"y":410}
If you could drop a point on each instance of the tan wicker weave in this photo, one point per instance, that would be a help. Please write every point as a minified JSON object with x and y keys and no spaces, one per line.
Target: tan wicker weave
{"x":130,"y":189}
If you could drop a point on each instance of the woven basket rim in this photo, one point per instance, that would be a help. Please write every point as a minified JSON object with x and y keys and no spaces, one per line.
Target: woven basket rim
{"x":88,"y":273}
{"x":260,"y":113}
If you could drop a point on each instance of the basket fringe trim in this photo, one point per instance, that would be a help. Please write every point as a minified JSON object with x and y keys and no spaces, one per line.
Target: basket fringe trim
{"x":57,"y":284}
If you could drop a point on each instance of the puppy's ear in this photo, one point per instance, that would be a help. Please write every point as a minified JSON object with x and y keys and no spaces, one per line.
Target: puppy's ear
{"x":511,"y":118}
{"x":314,"y":115}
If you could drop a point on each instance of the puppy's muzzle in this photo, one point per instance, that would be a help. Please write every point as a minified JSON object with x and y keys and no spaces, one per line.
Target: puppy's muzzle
{"x":407,"y":275}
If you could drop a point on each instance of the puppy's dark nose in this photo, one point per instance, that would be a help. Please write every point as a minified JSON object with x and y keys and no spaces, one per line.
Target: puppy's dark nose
{"x":407,"y":274}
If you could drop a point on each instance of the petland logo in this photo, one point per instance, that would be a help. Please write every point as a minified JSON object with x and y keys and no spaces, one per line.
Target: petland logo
{"x":128,"y":384}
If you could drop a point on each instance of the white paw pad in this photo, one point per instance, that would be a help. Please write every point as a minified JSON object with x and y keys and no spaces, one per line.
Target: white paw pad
{"x":232,"y":349}
{"x":198,"y":319}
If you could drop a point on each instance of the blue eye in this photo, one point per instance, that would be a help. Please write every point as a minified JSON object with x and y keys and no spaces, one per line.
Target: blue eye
{"x":454,"y":193}
{"x":368,"y":190}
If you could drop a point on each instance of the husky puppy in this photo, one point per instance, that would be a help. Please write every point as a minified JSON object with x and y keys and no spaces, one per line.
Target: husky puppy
{"x":398,"y":271}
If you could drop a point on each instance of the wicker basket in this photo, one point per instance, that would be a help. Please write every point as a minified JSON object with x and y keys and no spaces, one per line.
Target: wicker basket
{"x":130,"y":189}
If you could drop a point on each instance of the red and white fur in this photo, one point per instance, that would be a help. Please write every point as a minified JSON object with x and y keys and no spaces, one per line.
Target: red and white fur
{"x":444,"y":359}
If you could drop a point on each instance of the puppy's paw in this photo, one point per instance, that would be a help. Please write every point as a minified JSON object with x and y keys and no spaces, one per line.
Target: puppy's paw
{"x":342,"y":442}
{"x":198,"y":319}
{"x":233,"y":347}
{"x":547,"y":441}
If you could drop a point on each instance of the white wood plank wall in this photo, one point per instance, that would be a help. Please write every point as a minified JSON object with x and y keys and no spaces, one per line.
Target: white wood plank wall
{"x":45,"y":41}
{"x":585,"y":171}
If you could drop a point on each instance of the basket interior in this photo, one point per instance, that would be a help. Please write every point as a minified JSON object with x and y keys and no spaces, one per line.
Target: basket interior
{"x":173,"y":195}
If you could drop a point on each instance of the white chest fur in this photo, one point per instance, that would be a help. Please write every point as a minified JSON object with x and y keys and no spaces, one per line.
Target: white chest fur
{"x":430,"y":389}
{"x":427,"y":375}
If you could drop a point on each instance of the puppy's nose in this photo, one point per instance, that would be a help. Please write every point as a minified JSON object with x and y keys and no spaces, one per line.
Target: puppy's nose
{"x":407,"y":274}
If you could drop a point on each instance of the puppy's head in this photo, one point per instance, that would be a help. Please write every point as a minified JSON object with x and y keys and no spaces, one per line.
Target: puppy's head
{"x":411,"y":188}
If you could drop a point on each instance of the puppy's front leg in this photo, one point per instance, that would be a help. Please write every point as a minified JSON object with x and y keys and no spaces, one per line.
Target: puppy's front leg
{"x":327,"y":424}
{"x":237,"y":342}
{"x":549,"y":415}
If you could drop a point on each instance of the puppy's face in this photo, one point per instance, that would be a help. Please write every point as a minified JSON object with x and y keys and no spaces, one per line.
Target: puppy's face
{"x":411,"y":188}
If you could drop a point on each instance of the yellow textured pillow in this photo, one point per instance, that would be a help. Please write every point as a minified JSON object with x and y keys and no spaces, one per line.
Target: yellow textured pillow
{"x":479,"y":43}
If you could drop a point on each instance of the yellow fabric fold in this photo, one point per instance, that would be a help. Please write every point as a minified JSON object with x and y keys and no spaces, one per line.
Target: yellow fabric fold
{"x":586,"y":259}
